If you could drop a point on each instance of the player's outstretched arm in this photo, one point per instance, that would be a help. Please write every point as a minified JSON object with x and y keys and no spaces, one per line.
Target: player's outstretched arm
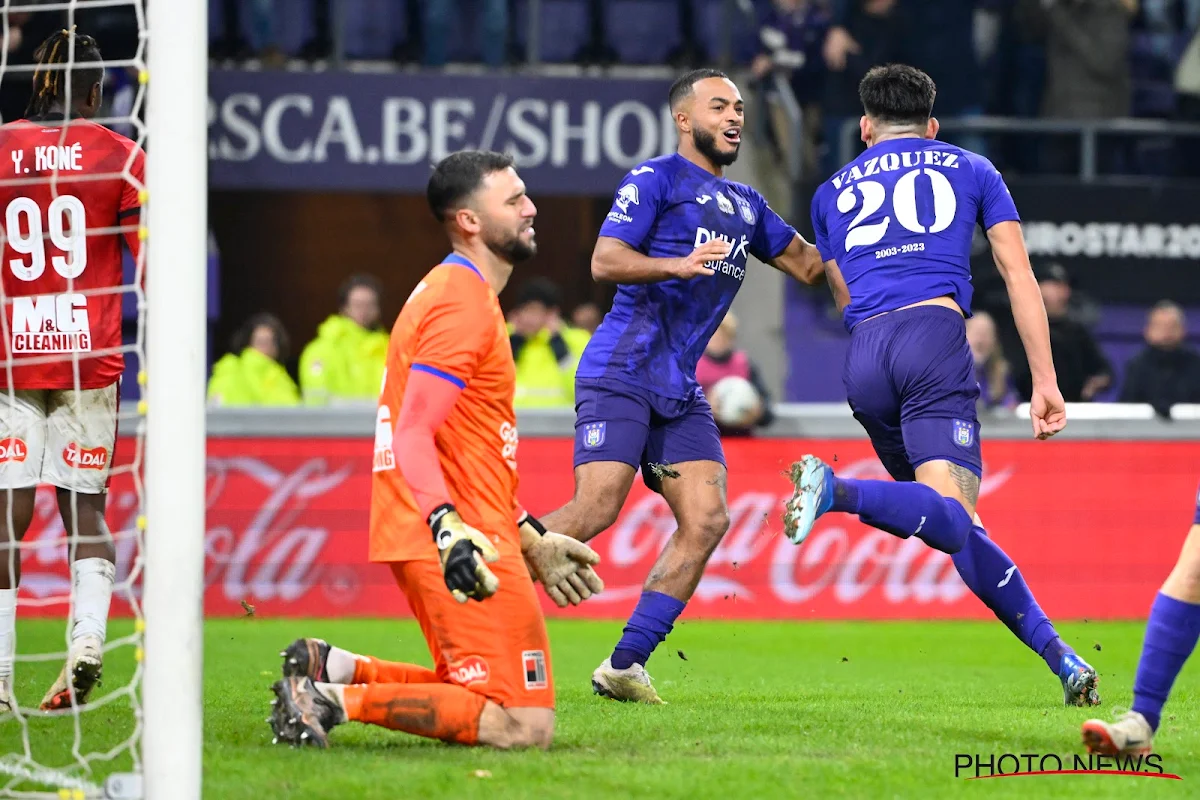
{"x":1029,"y":313}
{"x":802,"y":261}
{"x":614,"y":261}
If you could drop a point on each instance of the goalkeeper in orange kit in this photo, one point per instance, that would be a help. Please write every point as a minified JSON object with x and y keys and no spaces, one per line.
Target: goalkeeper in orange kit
{"x":444,"y":514}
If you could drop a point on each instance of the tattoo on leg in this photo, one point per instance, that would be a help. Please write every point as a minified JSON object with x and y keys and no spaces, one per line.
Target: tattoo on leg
{"x":717,"y":480}
{"x":967,"y":483}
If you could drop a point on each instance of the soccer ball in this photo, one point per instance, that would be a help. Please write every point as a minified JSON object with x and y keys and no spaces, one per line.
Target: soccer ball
{"x":733,"y":401}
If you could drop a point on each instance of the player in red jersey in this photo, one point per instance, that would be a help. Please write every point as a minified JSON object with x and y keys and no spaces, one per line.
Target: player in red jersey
{"x":68,"y":187}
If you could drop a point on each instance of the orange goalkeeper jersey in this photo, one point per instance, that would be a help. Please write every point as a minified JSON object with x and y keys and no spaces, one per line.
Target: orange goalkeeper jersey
{"x":451,"y":326}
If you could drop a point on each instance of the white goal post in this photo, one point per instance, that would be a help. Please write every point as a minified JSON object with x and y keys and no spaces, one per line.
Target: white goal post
{"x":177,"y":212}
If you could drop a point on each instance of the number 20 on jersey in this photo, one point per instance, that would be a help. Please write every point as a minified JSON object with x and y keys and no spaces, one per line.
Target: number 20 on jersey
{"x":871,"y":197}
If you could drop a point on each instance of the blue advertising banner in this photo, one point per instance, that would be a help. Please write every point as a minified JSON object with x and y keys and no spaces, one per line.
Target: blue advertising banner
{"x":383,"y":132}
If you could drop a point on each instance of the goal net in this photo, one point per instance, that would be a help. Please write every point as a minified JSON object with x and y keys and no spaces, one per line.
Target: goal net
{"x":102,"y":747}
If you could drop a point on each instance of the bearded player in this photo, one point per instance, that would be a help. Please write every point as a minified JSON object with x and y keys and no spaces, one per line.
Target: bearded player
{"x":1171,"y":634}
{"x":444,"y":511}
{"x":895,"y":228}
{"x":62,"y":339}
{"x":676,"y":243}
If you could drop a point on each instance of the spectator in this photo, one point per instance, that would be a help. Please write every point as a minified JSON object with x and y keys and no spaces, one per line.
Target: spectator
{"x":409,"y":51}
{"x":1187,"y":105}
{"x":545,"y":349}
{"x":1167,"y":371}
{"x":26,"y":32}
{"x":253,"y":375}
{"x":722,"y":359}
{"x":1083,"y":371}
{"x":597,"y":50}
{"x":691,"y":51}
{"x":493,"y":30}
{"x":991,"y":368}
{"x":941,"y":42}
{"x":233,"y":45}
{"x":1087,"y":70}
{"x":264,"y":25}
{"x":320,"y":46}
{"x":790,"y":40}
{"x":346,"y":360}
{"x":587,"y":317}
{"x":877,"y":28}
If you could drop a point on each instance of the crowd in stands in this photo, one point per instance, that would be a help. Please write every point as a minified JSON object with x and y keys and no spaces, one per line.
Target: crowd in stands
{"x":1054,"y":59}
{"x":1163,"y":373}
{"x":1049,"y":59}
{"x":344,"y":363}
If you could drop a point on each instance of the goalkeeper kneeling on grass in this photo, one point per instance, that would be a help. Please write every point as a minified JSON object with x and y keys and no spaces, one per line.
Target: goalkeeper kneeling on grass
{"x":444,"y":514}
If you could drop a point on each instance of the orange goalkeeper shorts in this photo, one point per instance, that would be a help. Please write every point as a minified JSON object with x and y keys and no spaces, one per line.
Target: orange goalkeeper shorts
{"x":497,"y":647}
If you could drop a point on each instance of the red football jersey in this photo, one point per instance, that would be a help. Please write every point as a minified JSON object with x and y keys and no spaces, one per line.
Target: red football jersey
{"x":62,"y":194}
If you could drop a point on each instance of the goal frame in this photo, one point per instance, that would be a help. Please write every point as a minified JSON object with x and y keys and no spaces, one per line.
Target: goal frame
{"x":176,"y":218}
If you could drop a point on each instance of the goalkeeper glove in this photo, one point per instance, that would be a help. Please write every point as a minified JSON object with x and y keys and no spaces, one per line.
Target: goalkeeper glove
{"x":562,"y":564}
{"x":463,"y":552}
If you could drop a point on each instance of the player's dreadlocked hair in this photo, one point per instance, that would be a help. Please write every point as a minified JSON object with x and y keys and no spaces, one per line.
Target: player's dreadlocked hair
{"x":56,"y":67}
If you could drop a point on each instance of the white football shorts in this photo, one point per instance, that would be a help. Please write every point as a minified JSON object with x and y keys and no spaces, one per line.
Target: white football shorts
{"x":61,"y":437}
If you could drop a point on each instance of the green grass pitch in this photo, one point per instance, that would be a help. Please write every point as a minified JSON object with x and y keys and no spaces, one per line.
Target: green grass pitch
{"x":759,"y":710}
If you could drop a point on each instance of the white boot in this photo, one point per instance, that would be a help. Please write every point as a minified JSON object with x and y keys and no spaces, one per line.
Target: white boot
{"x":632,"y":684}
{"x":85,"y":665}
{"x":1130,"y":735}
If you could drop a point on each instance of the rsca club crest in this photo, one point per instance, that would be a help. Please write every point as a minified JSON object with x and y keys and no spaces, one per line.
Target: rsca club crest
{"x":593,"y":434}
{"x":627,"y":196}
{"x":964,"y":433}
{"x":745,"y":209}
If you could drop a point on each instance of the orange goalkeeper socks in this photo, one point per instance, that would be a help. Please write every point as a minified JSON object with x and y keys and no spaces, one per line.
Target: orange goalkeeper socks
{"x":434,"y":710}
{"x":368,"y":669}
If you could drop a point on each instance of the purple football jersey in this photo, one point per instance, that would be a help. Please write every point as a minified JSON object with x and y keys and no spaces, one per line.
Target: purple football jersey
{"x":899,"y":221}
{"x":655,"y":333}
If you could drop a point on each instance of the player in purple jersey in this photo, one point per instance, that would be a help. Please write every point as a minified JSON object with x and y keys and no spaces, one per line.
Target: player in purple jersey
{"x":894,"y":228}
{"x":676,"y":243}
{"x":1171,"y":634}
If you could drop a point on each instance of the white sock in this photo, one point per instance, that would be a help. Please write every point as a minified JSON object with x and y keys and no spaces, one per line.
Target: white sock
{"x":8,"y":631}
{"x":339,"y":666}
{"x":92,"y":582}
{"x":336,"y":693}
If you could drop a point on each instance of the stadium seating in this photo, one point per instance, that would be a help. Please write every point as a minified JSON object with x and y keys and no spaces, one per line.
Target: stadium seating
{"x":643,"y":32}
{"x":564,"y":29}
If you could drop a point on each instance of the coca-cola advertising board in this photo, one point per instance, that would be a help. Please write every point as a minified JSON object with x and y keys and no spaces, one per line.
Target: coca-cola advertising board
{"x":1094,"y":526}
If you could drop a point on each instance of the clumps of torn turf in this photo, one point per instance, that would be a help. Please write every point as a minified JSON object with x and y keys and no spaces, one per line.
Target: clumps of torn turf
{"x":662,"y":471}
{"x":792,"y":474}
